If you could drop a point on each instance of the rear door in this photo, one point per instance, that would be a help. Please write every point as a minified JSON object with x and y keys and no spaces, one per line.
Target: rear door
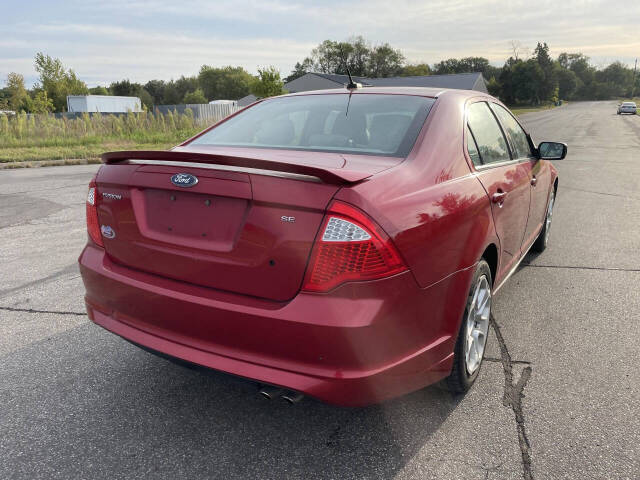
{"x":538,"y":171}
{"x":505,"y":180}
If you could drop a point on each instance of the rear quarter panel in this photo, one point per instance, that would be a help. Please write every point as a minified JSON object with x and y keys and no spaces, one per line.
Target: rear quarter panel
{"x":432,"y":206}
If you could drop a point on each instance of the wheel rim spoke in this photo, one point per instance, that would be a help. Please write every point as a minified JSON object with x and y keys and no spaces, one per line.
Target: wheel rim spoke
{"x":479,"y":310}
{"x":549,"y":215}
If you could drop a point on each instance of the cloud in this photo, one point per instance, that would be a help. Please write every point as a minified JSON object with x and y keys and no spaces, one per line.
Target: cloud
{"x":140,"y":40}
{"x":109,"y":53}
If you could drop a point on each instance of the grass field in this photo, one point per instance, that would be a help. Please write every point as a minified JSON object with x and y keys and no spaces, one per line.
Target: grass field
{"x":34,"y":138}
{"x":44,"y":137}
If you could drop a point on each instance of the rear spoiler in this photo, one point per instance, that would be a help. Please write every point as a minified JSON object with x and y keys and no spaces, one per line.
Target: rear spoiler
{"x":327,"y":175}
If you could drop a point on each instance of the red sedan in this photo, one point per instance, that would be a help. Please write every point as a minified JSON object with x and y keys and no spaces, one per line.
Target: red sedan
{"x":341,"y":244}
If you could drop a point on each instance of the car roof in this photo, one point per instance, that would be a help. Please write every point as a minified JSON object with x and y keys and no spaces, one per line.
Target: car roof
{"x":418,"y":91}
{"x":628,"y":103}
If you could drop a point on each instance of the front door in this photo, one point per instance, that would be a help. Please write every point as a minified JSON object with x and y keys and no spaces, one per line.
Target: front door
{"x":537,"y":170}
{"x":505,"y":180}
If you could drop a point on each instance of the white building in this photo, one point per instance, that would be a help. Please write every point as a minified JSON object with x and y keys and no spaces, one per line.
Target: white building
{"x":103,"y":104}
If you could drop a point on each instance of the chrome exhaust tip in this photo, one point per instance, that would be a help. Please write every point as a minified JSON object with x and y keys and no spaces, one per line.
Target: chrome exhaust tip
{"x":292,"y":397}
{"x":270,"y":392}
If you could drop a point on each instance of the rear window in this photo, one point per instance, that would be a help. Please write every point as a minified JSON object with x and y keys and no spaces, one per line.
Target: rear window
{"x":370,"y":124}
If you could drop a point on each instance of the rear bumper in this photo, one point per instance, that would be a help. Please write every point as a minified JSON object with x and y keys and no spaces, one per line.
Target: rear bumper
{"x":362,"y":343}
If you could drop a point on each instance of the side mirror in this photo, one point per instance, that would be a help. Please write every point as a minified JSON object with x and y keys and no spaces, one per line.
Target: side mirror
{"x":552,"y":150}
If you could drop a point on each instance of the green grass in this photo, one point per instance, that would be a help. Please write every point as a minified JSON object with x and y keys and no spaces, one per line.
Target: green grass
{"x":520,"y":109}
{"x":89,"y":152}
{"x":43,"y":137}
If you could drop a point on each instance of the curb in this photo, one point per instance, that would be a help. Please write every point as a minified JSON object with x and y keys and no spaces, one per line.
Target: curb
{"x":49,"y":163}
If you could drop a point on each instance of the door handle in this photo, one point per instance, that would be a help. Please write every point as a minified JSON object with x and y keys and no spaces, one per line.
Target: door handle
{"x":534,"y":181}
{"x":498,"y":197}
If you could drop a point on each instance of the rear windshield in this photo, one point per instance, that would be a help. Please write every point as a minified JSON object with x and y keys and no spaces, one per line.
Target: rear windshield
{"x":629,"y":104}
{"x":371,"y":124}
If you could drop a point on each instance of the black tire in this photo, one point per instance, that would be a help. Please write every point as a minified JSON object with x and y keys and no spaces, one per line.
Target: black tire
{"x":460,"y":381}
{"x":542,"y":241}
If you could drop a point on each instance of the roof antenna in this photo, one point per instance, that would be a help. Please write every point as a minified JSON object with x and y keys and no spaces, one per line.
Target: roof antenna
{"x":351,"y":85}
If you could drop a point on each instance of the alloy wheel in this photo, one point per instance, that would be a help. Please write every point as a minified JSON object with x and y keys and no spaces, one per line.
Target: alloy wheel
{"x":477,"y":327}
{"x":549,"y":216}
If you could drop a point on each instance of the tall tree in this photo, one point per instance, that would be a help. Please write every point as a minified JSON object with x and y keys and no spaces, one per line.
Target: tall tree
{"x":185,"y":85}
{"x":528,"y":78}
{"x":170,"y":94}
{"x":99,"y":90}
{"x":567,"y":82}
{"x":618,"y":76}
{"x":420,"y":69}
{"x":41,"y":102}
{"x":328,"y":57}
{"x":300,"y":69}
{"x":549,"y":84}
{"x":127,"y":88}
{"x":156,"y":90}
{"x":268,"y":83}
{"x":465,"y":65}
{"x":357,"y":55}
{"x":17,"y":94}
{"x":507,"y":88}
{"x":197,"y":96}
{"x":58,"y":82}
{"x":226,"y":83}
{"x":385,"y":61}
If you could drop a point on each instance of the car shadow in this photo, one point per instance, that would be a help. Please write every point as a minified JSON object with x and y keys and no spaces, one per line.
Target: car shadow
{"x":111,"y":410}
{"x":254,"y":437}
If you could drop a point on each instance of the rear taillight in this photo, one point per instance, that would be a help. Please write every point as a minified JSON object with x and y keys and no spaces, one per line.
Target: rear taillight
{"x":93,"y":227}
{"x":350,"y":247}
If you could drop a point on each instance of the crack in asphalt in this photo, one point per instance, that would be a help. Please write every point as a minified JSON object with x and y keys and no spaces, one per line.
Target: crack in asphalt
{"x":499,"y":360}
{"x":581,"y":267}
{"x":512,"y":398}
{"x":31,"y":310}
{"x":600,"y":193}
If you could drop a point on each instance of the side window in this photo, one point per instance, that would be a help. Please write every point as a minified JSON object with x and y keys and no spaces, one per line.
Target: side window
{"x":514,"y":131}
{"x":472,"y":148}
{"x":492,"y":145}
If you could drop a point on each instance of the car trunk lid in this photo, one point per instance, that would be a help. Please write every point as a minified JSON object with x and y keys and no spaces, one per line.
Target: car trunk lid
{"x":240,"y":231}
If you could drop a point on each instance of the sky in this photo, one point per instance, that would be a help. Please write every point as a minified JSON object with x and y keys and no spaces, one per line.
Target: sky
{"x":109,"y":40}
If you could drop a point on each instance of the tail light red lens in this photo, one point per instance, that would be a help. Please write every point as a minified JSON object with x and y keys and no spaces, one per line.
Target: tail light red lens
{"x":93,"y":227}
{"x":350,"y":247}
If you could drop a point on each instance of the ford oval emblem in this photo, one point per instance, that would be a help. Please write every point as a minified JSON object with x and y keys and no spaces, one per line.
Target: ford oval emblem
{"x":107,"y":231}
{"x":184,"y":180}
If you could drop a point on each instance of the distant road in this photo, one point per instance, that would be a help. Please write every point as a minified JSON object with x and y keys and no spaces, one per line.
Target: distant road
{"x":78,"y":402}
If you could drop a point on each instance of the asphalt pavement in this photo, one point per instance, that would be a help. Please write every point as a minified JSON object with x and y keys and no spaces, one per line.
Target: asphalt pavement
{"x":558,"y":396}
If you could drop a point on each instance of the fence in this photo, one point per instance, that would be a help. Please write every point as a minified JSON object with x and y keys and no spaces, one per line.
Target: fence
{"x":203,"y":114}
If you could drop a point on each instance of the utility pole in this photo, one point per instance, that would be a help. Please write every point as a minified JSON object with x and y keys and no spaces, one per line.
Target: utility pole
{"x":633,"y":85}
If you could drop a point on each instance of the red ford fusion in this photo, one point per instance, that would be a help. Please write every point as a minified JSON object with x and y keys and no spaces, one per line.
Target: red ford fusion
{"x":341,"y":244}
